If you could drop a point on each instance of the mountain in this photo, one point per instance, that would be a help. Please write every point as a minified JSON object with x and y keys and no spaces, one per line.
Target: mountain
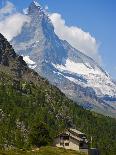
{"x":75,"y":74}
{"x":30,"y":107}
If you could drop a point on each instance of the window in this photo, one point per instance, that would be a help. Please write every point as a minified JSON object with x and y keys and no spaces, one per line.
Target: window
{"x":64,"y":137}
{"x":61,"y":144}
{"x":66,"y":144}
{"x":80,"y":145}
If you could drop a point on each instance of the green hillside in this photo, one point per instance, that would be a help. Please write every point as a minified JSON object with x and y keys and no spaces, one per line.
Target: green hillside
{"x":26,"y":108}
{"x":43,"y":151}
{"x":33,"y":112}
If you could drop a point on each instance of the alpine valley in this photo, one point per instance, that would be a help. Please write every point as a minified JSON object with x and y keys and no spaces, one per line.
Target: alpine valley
{"x":75,"y":74}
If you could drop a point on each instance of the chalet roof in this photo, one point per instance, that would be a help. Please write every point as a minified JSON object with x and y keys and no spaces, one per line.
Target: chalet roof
{"x":73,"y":133}
{"x":71,"y":136}
{"x":76,"y":138}
{"x":76,"y":131}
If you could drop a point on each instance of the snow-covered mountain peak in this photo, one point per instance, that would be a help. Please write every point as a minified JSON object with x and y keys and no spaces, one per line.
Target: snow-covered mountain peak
{"x":35,"y":9}
{"x":36,"y":3}
{"x":38,"y":14}
{"x":74,"y":73}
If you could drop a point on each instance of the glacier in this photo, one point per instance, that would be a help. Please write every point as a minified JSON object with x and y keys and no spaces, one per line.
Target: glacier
{"x":96,"y":79}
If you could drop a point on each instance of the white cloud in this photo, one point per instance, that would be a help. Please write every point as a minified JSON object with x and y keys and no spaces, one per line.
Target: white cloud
{"x":8,"y":8}
{"x":25,"y":11}
{"x":11,"y":22}
{"x":79,"y":39}
{"x":46,"y":7}
{"x":12,"y":25}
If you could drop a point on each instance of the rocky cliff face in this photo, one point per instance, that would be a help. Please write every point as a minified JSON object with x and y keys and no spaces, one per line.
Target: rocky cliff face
{"x":14,"y":65}
{"x":10,"y":60}
{"x":76,"y":74}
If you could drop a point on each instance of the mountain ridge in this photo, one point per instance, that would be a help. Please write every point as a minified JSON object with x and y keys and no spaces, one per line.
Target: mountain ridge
{"x":75,"y":74}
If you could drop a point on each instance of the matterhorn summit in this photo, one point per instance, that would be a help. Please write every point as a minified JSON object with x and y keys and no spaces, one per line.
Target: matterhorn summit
{"x":36,"y":3}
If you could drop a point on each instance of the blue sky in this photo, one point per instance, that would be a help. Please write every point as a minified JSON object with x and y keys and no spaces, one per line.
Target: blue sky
{"x":98,"y":17}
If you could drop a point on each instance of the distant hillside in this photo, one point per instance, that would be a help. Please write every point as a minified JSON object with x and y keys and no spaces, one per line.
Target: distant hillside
{"x":31,"y":107}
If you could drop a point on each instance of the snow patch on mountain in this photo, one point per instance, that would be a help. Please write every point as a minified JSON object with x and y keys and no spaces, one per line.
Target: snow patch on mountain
{"x":79,"y":68}
{"x":36,"y":3}
{"x":25,"y":11}
{"x":30,"y":62}
{"x":98,"y":80}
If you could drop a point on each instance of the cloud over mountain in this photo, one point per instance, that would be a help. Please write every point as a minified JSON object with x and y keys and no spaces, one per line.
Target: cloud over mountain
{"x":8,"y":8}
{"x":11,"y":22}
{"x":79,"y":39}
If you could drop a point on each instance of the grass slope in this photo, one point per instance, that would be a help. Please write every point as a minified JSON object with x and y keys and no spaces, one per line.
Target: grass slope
{"x":23,"y":106}
{"x":43,"y":151}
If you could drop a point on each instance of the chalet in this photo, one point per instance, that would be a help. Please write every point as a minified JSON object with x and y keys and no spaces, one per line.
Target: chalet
{"x":72,"y":139}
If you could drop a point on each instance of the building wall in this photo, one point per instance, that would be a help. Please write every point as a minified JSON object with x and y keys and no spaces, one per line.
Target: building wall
{"x":73,"y":144}
{"x":85,"y":146}
{"x":85,"y":151}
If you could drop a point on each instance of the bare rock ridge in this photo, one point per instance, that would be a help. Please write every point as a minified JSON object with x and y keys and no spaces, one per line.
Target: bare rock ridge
{"x":10,"y":59}
{"x":14,"y":65}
